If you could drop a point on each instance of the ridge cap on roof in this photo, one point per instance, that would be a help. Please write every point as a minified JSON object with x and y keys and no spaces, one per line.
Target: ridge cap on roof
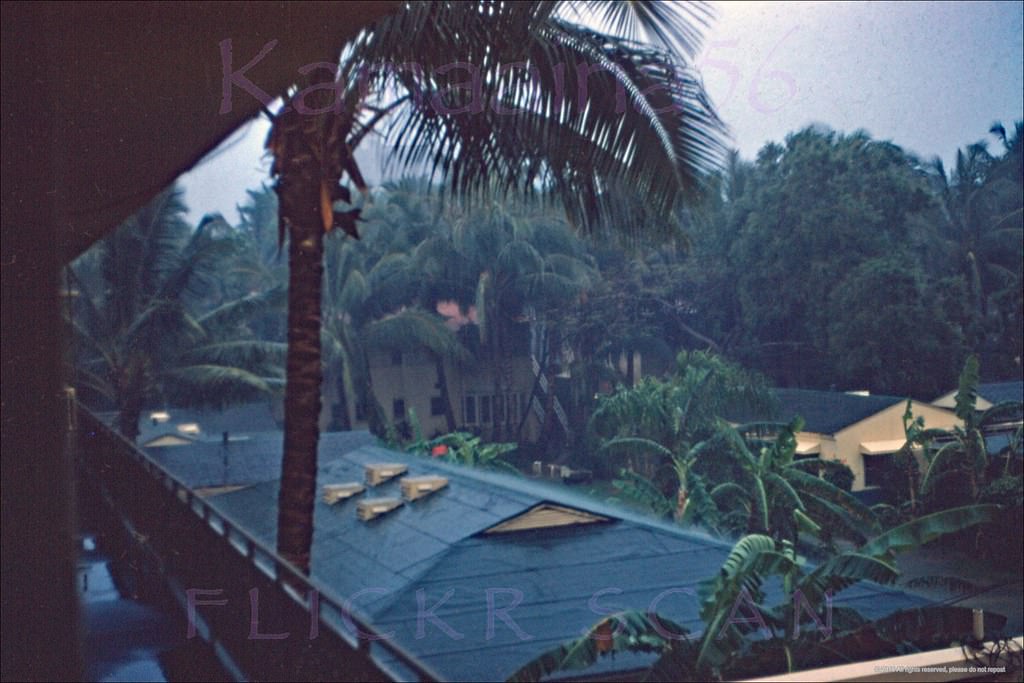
{"x":545,"y":492}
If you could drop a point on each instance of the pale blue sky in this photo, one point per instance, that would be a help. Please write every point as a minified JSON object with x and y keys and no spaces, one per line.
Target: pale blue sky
{"x":929,"y":76}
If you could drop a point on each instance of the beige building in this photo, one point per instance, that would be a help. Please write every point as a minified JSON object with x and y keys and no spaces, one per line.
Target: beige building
{"x":989,"y":394}
{"x":406,"y":382}
{"x":859,"y":430}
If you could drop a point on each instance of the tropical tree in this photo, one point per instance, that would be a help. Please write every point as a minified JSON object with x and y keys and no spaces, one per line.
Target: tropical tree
{"x":357,"y":320}
{"x":643,"y":122}
{"x":772,"y":492}
{"x":981,"y":201}
{"x":802,"y":223}
{"x":775,"y":639}
{"x":890,"y":332}
{"x":666,"y":427}
{"x":140,"y":331}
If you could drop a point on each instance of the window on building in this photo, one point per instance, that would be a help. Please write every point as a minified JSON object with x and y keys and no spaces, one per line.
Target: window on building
{"x":499,"y":408}
{"x":485,"y":409}
{"x":470,"y":410}
{"x":436,"y":406}
{"x":513,"y":407}
{"x":398,"y":408}
{"x":396,"y":357}
{"x":878,"y":469}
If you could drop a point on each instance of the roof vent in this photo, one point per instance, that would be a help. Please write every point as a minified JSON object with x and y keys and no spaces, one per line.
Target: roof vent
{"x":420,"y":487}
{"x":378,"y":473}
{"x":168,"y":440}
{"x":337,"y":492}
{"x":543,"y":516}
{"x":375,"y":507}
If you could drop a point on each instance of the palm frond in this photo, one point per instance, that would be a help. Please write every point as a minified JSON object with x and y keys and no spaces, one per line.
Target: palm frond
{"x":861,"y":514}
{"x":952,"y":584}
{"x":842,"y":571}
{"x":412,"y":329}
{"x":644,"y":121}
{"x":927,"y":528}
{"x":216,"y":385}
{"x":250,"y":354}
{"x":946,"y":460}
{"x":639,"y":489}
{"x":241,"y":310}
{"x":671,"y":27}
{"x":623,"y":443}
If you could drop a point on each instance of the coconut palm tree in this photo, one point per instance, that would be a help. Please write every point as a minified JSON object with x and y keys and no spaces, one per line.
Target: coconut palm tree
{"x":980,"y":199}
{"x":139,"y":329}
{"x":365,"y":312}
{"x":633,"y":120}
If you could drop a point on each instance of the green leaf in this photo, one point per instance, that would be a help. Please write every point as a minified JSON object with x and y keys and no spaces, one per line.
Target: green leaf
{"x":928,"y":528}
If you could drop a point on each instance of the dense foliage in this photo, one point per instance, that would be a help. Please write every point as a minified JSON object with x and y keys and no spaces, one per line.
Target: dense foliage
{"x":840,"y":261}
{"x":833,"y":261}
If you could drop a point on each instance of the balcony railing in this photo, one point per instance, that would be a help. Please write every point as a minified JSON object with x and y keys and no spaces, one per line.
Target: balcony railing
{"x":195,"y":550}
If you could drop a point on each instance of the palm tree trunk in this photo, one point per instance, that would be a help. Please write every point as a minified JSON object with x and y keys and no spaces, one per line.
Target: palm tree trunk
{"x":446,"y":399}
{"x":298,"y":190}
{"x":341,"y":418}
{"x":128,"y":420}
{"x":376,"y":420}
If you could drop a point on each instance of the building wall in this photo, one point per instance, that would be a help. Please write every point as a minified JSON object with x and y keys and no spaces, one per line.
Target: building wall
{"x":949,"y":401}
{"x":886,"y":425}
{"x":411,"y":377}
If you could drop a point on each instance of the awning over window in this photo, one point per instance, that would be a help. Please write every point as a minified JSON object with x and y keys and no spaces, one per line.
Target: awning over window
{"x":807,"y":447}
{"x":881,"y":447}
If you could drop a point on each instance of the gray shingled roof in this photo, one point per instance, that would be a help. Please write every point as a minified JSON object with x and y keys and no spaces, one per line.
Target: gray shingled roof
{"x":242,"y":419}
{"x":997,"y":392}
{"x":824,"y":412}
{"x":247,"y":459}
{"x":434,"y":547}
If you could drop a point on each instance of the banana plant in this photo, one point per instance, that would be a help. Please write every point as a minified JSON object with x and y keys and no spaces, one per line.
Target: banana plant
{"x":966,"y":454}
{"x":777,"y":639}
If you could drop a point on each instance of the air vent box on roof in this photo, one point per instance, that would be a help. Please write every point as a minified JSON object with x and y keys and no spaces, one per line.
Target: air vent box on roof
{"x":545,"y":516}
{"x":168,"y":440}
{"x":336,"y":492}
{"x":419,"y":487}
{"x":375,"y":507}
{"x":378,"y":473}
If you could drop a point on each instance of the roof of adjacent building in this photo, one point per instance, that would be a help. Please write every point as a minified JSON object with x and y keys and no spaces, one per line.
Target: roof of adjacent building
{"x":997,"y":392}
{"x":429,"y":575}
{"x":245,"y":459}
{"x":247,"y":418}
{"x":823,"y":412}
